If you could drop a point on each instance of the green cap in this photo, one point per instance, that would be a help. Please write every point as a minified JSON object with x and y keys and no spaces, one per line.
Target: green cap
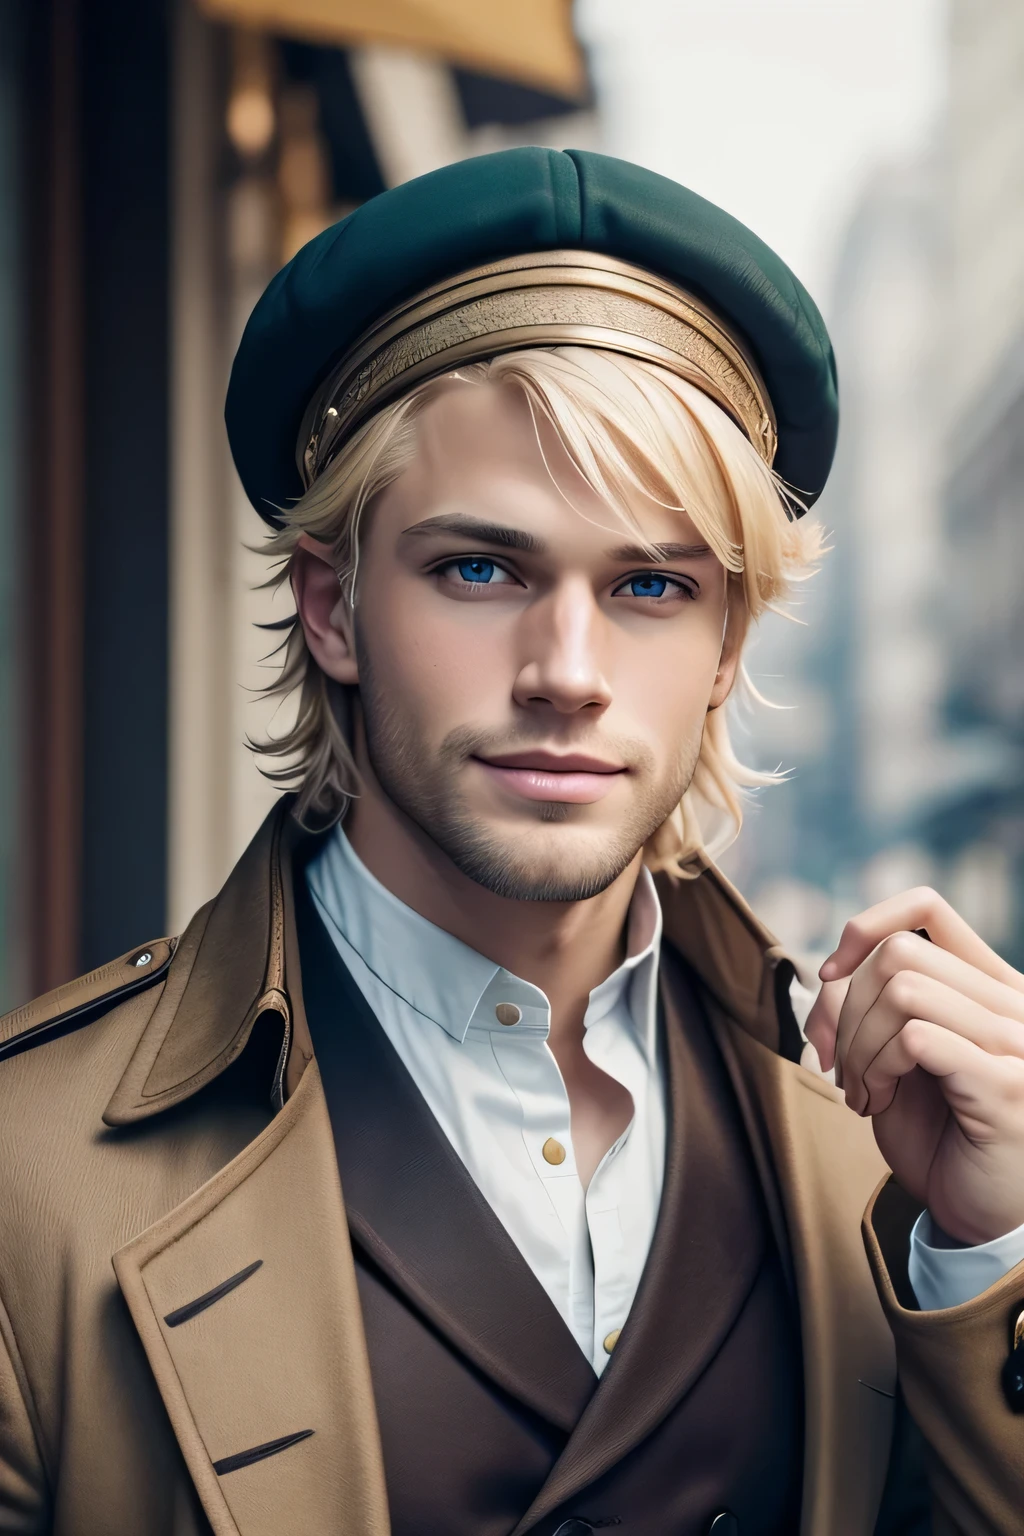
{"x":522,"y":202}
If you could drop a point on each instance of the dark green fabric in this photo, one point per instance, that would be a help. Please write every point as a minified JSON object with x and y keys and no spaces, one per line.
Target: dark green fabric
{"x":505,"y":204}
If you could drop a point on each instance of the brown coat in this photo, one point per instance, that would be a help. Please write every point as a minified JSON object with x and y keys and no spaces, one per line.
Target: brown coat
{"x":142,"y":1167}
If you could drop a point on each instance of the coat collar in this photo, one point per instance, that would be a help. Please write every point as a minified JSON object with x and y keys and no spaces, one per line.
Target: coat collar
{"x":237,"y":959}
{"x":745,"y":970}
{"x":228,"y":969}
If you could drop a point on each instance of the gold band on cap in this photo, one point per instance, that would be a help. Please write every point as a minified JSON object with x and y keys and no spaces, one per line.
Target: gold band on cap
{"x":553,"y":298}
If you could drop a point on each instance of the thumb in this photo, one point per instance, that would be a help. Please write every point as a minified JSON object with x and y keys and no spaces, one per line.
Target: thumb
{"x":823,"y":1020}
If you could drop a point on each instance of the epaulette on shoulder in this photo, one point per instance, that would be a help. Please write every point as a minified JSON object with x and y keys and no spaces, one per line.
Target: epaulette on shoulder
{"x":80,"y":1002}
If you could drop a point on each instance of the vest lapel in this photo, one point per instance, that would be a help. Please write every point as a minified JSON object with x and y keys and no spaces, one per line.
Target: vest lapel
{"x":416,"y":1212}
{"x":820,"y":1165}
{"x":708,"y":1247}
{"x":245,"y":1300}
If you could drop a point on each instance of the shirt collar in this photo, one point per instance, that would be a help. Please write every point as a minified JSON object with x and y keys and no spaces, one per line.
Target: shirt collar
{"x":637,"y":976}
{"x":453,"y":985}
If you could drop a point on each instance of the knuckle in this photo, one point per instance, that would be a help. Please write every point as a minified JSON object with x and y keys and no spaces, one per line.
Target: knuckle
{"x":903,"y":990}
{"x":915,"y":1035}
{"x":926,"y":899}
{"x":897,"y":952}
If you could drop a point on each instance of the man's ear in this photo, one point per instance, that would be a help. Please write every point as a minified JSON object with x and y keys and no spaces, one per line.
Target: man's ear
{"x":324,"y":612}
{"x":732,"y":649}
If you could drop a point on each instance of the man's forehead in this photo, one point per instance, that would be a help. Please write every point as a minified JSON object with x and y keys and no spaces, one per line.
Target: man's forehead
{"x":482,"y":454}
{"x":476,"y":418}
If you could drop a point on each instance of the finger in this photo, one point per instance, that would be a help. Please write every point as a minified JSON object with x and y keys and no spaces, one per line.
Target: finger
{"x":909,"y":995}
{"x":906,"y":953}
{"x":823,"y":1021}
{"x":919,"y":908}
{"x":982,"y":1090}
{"x":920,"y":1043}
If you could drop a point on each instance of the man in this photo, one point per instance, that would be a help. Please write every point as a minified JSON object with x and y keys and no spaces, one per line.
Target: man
{"x":462,"y":1167}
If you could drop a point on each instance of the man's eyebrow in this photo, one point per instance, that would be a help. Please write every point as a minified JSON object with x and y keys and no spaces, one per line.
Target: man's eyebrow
{"x":480,"y":532}
{"x":628,"y":553}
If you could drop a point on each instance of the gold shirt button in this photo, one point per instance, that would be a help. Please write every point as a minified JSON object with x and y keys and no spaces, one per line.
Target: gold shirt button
{"x":508,"y":1013}
{"x":611,"y":1339}
{"x":553,"y":1151}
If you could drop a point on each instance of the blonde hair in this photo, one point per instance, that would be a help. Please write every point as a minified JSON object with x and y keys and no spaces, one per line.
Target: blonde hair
{"x":627,"y":426}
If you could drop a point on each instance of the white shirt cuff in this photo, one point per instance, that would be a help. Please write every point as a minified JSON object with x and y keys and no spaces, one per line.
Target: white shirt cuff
{"x":947,"y":1277}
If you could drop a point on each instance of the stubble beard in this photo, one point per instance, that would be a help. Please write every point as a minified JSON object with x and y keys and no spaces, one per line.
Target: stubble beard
{"x":423,"y":784}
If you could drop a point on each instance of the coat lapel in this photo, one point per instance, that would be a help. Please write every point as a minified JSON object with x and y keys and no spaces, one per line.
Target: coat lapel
{"x":416,"y":1212}
{"x":708,"y":1247}
{"x":245,"y":1300}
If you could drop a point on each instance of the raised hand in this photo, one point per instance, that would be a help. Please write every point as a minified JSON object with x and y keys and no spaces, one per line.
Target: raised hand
{"x":927,"y":1037}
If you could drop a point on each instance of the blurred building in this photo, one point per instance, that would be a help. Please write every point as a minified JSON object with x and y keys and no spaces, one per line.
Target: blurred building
{"x":976,"y":831}
{"x":860,"y":676}
{"x":909,"y":763}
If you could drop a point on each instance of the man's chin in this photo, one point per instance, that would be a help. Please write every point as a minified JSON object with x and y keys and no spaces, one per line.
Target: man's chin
{"x":548,"y":862}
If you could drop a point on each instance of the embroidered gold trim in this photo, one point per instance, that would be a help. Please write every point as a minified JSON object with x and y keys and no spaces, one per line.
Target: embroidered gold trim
{"x":553,"y":298}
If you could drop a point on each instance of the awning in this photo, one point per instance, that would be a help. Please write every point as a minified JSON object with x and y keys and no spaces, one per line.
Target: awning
{"x":530,"y":41}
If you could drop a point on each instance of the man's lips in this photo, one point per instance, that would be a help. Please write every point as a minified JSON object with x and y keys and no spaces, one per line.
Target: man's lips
{"x":573,"y":778}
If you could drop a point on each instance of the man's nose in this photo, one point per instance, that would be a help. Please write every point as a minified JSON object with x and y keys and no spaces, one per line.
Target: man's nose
{"x":562,"y":665}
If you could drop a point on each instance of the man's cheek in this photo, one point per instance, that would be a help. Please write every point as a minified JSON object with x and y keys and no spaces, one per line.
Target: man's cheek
{"x":669,"y":702}
{"x":460,"y":674}
{"x":443,"y":690}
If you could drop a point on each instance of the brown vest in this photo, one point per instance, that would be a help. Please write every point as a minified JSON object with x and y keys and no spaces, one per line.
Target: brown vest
{"x":492,"y":1419}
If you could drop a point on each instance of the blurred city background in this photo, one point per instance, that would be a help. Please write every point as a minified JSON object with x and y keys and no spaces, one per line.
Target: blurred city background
{"x":160,"y":159}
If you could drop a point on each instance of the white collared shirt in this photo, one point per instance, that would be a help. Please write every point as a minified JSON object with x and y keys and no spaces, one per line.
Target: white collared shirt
{"x":497,"y":1092}
{"x":498,"y":1095}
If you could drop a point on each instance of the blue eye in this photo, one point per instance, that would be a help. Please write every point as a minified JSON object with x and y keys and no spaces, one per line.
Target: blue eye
{"x":652,"y":585}
{"x":476,"y":570}
{"x":648,"y":586}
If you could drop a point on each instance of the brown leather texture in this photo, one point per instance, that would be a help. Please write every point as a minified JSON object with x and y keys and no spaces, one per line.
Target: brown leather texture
{"x":143,"y":1166}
